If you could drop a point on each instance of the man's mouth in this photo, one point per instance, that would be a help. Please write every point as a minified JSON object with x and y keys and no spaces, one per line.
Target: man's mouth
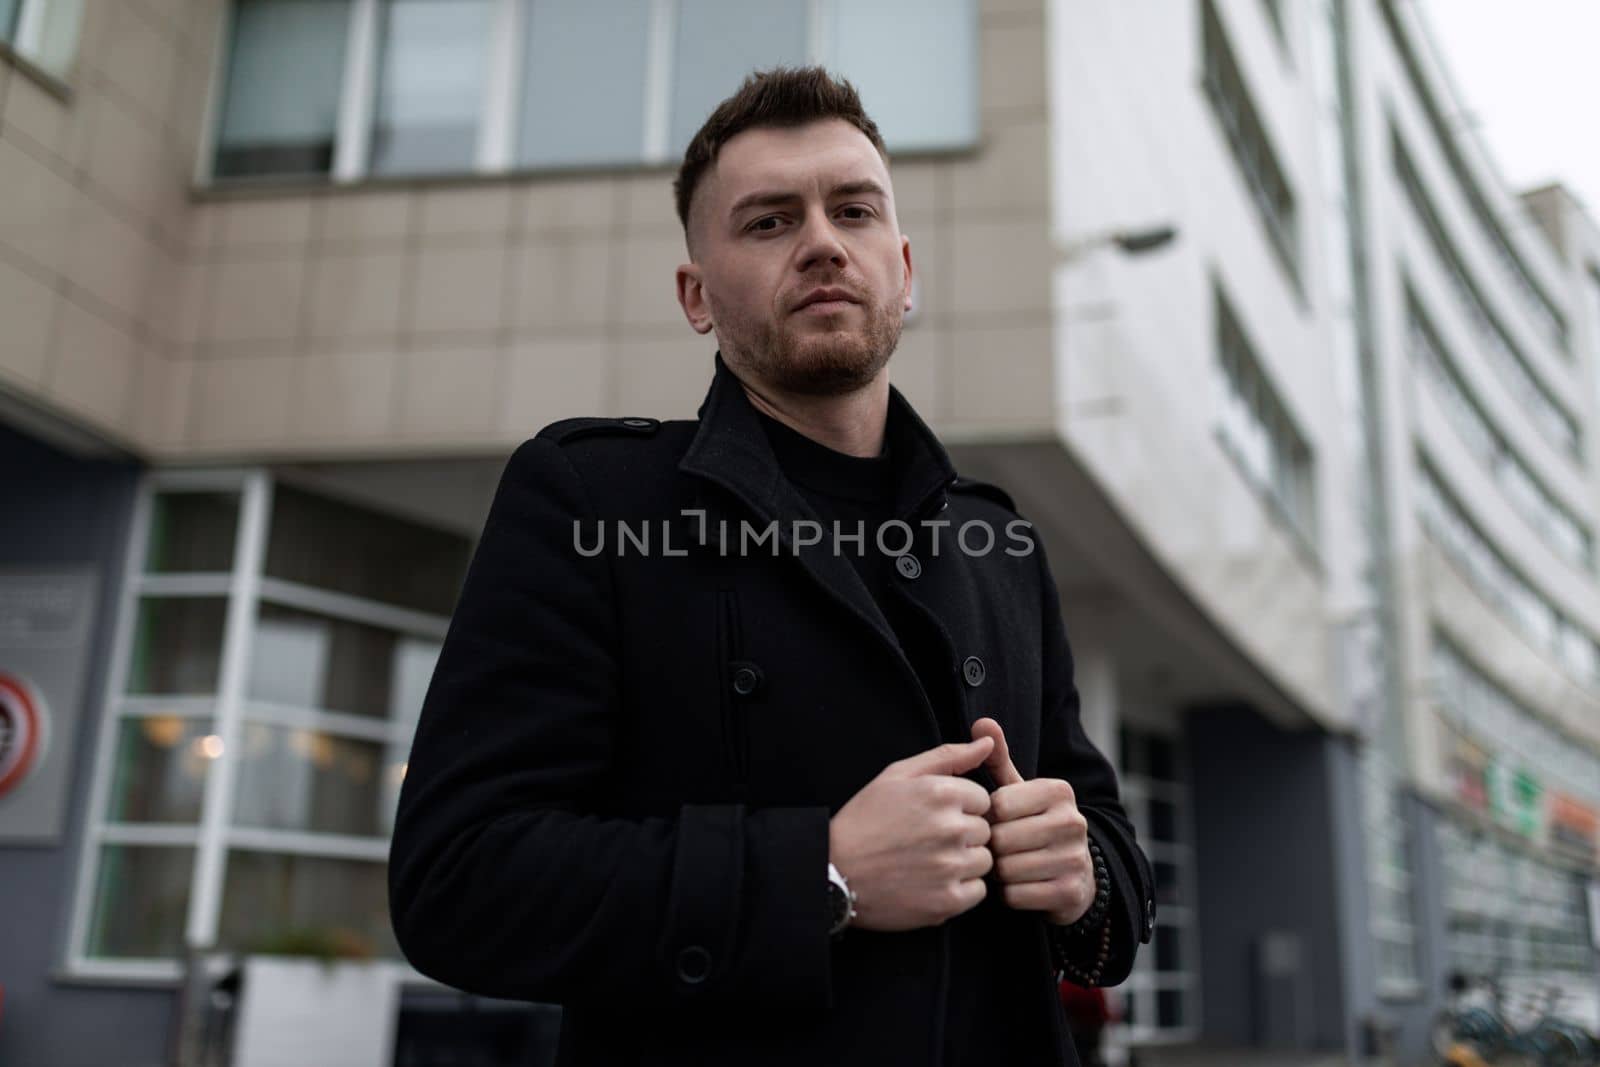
{"x":827,"y":301}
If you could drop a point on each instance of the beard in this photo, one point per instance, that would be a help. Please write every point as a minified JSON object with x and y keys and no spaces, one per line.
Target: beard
{"x":812,"y":359}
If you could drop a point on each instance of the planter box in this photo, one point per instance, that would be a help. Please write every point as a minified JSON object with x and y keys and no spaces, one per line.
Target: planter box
{"x":295,"y":1011}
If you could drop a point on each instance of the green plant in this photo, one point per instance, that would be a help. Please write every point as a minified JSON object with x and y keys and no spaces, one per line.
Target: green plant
{"x":325,"y":943}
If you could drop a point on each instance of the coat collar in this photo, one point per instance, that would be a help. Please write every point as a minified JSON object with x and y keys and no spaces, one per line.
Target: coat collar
{"x":731,"y":449}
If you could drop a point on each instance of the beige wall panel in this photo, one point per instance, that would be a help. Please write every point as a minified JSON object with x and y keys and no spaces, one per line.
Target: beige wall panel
{"x":458,"y":289}
{"x":449,"y":394}
{"x":242,"y":402}
{"x":549,"y":379}
{"x":28,"y":309}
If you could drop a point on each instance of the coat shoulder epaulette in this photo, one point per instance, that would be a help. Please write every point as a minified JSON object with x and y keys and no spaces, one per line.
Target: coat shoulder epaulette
{"x":566,"y":431}
{"x":984,"y":489}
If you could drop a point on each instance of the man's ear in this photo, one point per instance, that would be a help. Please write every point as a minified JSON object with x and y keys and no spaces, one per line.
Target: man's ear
{"x":692,"y":298}
{"x":905,"y":254}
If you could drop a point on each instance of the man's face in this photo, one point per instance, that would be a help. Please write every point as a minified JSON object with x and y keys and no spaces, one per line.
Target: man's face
{"x":783,"y":213}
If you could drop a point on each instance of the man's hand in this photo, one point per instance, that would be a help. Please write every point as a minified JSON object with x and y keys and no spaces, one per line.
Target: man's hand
{"x":1039,"y":838}
{"x":912,"y":842}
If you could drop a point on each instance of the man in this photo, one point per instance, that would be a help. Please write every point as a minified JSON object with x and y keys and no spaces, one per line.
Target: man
{"x":734,"y":790}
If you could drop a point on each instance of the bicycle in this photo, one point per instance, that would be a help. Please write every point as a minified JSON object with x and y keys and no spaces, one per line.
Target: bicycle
{"x":1474,"y":1034}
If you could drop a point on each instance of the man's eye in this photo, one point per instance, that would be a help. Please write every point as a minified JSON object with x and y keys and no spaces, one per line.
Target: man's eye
{"x":865,"y":212}
{"x":759,"y":224}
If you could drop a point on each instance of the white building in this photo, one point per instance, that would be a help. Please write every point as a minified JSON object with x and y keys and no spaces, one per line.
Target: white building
{"x":285,"y":281}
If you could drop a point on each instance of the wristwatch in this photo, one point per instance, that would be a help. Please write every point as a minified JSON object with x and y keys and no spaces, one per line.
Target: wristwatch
{"x":841,"y":902}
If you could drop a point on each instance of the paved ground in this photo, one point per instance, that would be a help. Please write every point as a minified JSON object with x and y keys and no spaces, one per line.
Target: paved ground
{"x":1214,"y":1057}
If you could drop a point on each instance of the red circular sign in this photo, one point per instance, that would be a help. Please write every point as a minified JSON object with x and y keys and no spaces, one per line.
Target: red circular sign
{"x":22,"y":731}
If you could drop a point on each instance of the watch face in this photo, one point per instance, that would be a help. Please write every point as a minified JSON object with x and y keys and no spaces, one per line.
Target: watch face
{"x":838,"y":905}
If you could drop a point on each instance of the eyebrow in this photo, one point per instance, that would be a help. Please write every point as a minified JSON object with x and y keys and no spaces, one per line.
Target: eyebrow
{"x":775,"y":197}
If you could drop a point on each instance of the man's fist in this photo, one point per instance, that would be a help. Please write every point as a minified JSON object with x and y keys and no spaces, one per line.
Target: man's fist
{"x":912,"y":842}
{"x":1039,"y":838}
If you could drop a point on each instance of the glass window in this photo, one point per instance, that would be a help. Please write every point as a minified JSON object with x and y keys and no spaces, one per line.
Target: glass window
{"x":160,"y":772}
{"x":192,"y":532}
{"x":141,"y":901}
{"x":563,"y":37}
{"x":281,"y":103}
{"x":721,"y":41}
{"x":920,"y":97}
{"x":430,"y":92}
{"x":294,"y":779}
{"x":1163,"y":978}
{"x":1247,"y":138}
{"x":1549,"y":416}
{"x":313,"y":661}
{"x":267,"y":895}
{"x":43,"y":31}
{"x":1258,"y":431}
{"x":177,"y":645}
{"x":343,"y":548}
{"x":327,"y":709}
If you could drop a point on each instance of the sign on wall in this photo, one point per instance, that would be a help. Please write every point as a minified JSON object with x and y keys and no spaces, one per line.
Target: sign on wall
{"x":46,"y":625}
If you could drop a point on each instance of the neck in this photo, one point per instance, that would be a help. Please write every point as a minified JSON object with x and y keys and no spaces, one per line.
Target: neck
{"x":852,"y":423}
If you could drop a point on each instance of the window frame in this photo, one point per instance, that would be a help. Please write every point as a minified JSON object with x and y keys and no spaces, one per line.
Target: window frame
{"x":1267,"y":184}
{"x":496,"y":152}
{"x":1287,"y":485}
{"x":23,"y":40}
{"x":1145,"y":982}
{"x":229,"y":709}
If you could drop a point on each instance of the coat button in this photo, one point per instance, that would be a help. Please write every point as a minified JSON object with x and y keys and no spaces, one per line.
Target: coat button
{"x":908,"y":566}
{"x":972,"y":670}
{"x":746,"y":679}
{"x":638,"y":424}
{"x":694,"y":964}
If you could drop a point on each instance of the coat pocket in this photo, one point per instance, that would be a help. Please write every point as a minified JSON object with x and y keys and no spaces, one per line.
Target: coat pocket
{"x":731,"y":676}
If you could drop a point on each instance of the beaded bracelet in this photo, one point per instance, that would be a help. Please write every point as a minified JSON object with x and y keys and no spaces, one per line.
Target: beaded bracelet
{"x":1064,"y":940}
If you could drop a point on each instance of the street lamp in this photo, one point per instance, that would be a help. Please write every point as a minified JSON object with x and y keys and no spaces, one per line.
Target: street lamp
{"x":1132,"y":242}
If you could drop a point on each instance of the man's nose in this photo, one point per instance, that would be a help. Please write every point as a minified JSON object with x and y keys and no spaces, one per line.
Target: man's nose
{"x":819,"y":243}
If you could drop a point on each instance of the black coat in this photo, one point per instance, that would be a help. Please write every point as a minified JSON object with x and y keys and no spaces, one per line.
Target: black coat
{"x":619,"y":790}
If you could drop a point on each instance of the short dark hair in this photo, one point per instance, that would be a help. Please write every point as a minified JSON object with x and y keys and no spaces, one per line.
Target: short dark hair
{"x":782,"y":96}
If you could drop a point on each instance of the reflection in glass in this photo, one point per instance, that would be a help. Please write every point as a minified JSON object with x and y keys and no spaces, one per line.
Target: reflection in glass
{"x":294,"y":779}
{"x":721,"y":41}
{"x":430,"y":85}
{"x":177,"y":645}
{"x":305,"y":660}
{"x":1169,"y":1008}
{"x":560,"y":43}
{"x":923,"y":97}
{"x":281,"y":104}
{"x":1163,"y":821}
{"x":1167,"y":888}
{"x":1168,"y":954}
{"x":344,"y":548}
{"x":192,"y":532}
{"x":160,"y":771}
{"x":267,"y":895}
{"x":141,"y":901}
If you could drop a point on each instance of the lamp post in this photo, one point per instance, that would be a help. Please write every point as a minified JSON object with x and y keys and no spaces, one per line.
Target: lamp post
{"x":1133,"y":242}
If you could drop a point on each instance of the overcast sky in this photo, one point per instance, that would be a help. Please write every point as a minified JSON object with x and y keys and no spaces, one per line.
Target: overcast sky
{"x":1529,"y":74}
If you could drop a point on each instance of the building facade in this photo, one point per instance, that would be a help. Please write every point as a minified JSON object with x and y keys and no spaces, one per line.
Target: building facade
{"x":283,"y":282}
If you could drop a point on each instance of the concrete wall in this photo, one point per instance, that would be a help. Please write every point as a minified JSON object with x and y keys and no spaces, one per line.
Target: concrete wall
{"x":61,"y":510}
{"x":445,"y":316}
{"x":1136,"y":142}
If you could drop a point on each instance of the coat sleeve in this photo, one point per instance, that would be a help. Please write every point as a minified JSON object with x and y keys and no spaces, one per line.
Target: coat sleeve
{"x":506,"y":877}
{"x":1065,"y":751}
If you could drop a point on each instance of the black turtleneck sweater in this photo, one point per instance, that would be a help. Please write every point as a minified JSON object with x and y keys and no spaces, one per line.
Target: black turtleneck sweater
{"x":853,"y":489}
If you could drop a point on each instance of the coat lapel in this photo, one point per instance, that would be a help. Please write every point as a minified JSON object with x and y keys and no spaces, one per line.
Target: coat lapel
{"x":730,"y":450}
